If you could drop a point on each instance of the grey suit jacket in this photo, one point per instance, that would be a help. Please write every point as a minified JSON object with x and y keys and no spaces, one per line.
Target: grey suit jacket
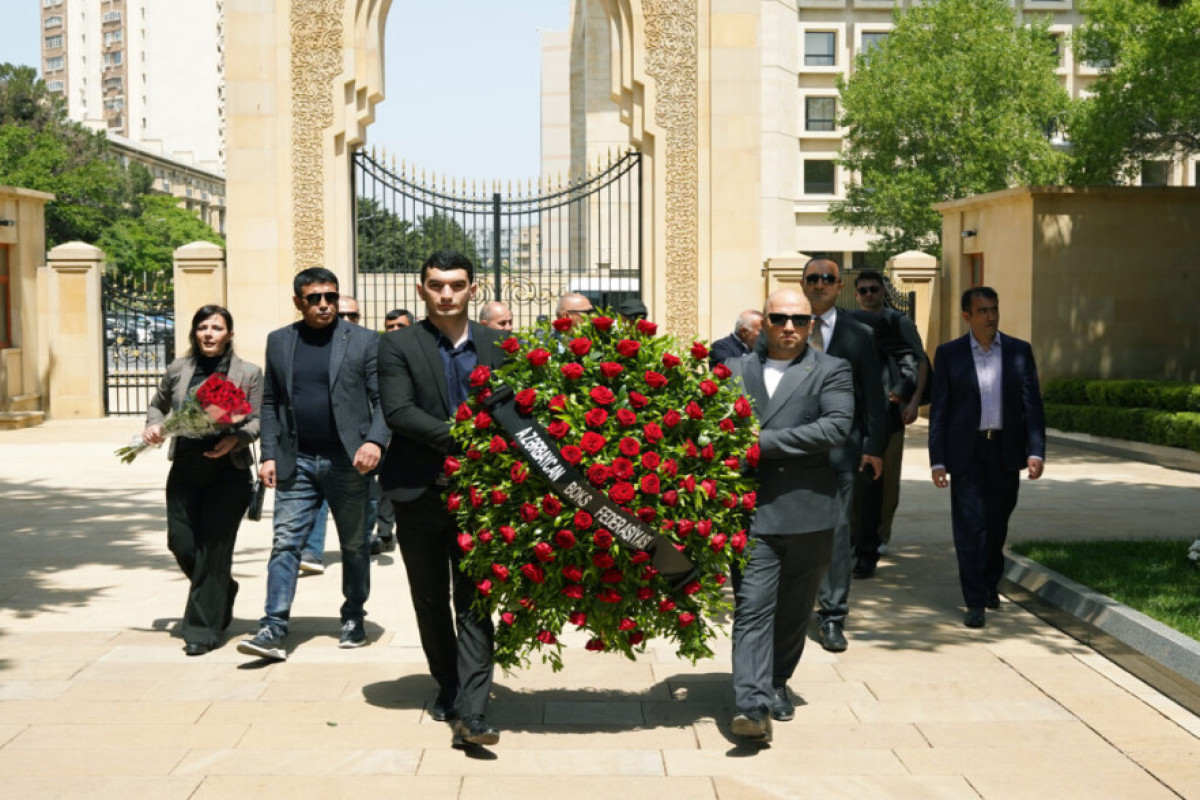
{"x":416,"y":404}
{"x":353,"y":387}
{"x":173,"y":389}
{"x":810,"y":414}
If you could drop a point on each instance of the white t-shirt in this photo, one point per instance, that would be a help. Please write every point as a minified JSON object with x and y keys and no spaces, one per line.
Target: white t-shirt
{"x":773,"y":373}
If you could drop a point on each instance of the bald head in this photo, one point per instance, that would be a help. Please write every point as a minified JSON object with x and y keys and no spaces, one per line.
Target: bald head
{"x":573,"y":306}
{"x":787,"y":340}
{"x":496,"y":315}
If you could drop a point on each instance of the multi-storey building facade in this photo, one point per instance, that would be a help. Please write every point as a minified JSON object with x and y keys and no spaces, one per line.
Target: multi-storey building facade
{"x":146,"y":70}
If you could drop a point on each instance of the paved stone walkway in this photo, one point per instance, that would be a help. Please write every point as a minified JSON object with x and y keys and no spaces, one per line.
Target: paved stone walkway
{"x":97,"y":700}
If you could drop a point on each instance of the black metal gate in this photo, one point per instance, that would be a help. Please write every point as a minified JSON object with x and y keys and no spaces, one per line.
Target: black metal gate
{"x":139,"y":340}
{"x":529,"y":246}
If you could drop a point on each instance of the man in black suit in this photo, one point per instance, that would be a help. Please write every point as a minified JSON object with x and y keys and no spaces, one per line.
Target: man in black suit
{"x":737,"y":344}
{"x":804,"y":403}
{"x":986,"y":424}
{"x":424,"y":376}
{"x":322,"y":435}
{"x":837,"y":333}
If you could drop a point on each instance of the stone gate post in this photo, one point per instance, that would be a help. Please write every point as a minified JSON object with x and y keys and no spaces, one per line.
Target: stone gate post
{"x":199,"y":281}
{"x":74,"y":326}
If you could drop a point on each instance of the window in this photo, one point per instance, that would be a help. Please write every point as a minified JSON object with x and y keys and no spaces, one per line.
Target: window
{"x":53,"y":22}
{"x":974,"y":262}
{"x":871,"y":40}
{"x":819,"y":113}
{"x":819,"y":48}
{"x":55,"y":86}
{"x":115,"y":104}
{"x":51,"y":3}
{"x":54,"y":64}
{"x":113,"y":83}
{"x":1056,"y":41}
{"x":1156,"y":173}
{"x":818,"y":177}
{"x":113,"y":59}
{"x":110,"y":16}
{"x":113,"y":37}
{"x":54,"y":42}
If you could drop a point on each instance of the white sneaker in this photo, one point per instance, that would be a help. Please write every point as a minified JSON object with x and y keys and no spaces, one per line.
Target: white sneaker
{"x":310,"y":565}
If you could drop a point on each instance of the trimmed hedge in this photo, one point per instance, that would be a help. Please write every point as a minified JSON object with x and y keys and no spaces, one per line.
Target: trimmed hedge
{"x":1160,"y":395}
{"x":1174,"y":429}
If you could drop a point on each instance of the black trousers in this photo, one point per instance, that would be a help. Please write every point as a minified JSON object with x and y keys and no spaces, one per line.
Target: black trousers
{"x":206,"y":499}
{"x":458,"y":645}
{"x":982,"y":498}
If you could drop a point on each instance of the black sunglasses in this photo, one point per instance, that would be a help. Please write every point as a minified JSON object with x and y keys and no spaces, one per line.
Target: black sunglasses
{"x":872,"y":289}
{"x":315,"y":298}
{"x":799,"y":320}
{"x":813,"y":278}
{"x":351,"y":315}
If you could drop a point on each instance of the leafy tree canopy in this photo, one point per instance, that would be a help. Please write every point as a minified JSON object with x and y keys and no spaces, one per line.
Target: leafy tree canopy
{"x":956,"y":101}
{"x":388,"y":243}
{"x":146,"y":243}
{"x":1146,"y":103}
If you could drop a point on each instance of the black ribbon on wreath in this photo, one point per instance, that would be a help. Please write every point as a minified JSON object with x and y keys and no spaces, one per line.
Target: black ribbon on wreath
{"x":541,"y":451}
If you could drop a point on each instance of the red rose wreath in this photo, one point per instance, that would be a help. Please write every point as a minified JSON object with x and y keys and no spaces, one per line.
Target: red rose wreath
{"x":654,"y":436}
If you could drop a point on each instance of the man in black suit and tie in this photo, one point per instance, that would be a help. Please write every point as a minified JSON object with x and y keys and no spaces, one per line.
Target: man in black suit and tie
{"x":986,"y":424}
{"x":424,"y":376}
{"x":837,"y":333}
{"x":322,"y":436}
{"x":804,"y":403}
{"x":746,"y":329}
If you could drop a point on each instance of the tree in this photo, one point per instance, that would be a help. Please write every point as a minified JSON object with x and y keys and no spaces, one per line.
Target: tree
{"x":386,"y":243}
{"x":1146,"y":102}
{"x":146,"y":243}
{"x":956,"y":101}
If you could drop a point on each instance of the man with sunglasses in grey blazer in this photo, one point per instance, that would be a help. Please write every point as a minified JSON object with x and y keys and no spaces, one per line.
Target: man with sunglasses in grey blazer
{"x":803,"y":401}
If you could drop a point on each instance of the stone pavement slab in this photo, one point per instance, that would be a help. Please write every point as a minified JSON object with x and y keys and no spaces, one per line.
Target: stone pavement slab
{"x":97,"y":700}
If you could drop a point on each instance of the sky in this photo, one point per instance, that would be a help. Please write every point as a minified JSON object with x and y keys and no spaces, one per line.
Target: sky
{"x":462,"y":78}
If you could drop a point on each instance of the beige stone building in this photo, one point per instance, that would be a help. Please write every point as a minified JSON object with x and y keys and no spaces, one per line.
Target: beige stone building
{"x":198,"y":190}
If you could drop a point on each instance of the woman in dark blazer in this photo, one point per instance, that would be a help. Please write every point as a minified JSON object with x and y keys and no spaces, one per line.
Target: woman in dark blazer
{"x":209,"y":485}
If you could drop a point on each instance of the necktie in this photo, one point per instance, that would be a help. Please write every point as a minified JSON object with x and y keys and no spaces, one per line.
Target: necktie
{"x":817,"y":339}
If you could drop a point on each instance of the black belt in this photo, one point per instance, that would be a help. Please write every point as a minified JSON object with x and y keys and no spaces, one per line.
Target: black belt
{"x":990,"y":434}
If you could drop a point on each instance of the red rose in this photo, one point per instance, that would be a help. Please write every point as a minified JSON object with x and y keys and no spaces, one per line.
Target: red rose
{"x":738,"y":541}
{"x":636,"y":638}
{"x":730,"y":500}
{"x":510,"y":345}
{"x":543,"y":551}
{"x":692,"y":587}
{"x":451,"y":465}
{"x":499,"y":497}
{"x":485,"y":536}
{"x":602,"y":538}
{"x":669,"y":467}
{"x":639,"y":557}
{"x":572,"y":454}
{"x":596,"y":417}
{"x":474,"y":454}
{"x":704,"y":527}
{"x":564,"y":539}
{"x":580,"y":346}
{"x":546,"y":637}
{"x":727,"y":425}
{"x":670,"y":360}
{"x":710,"y":488}
{"x":603,"y":560}
{"x":602,"y":395}
{"x":571,"y":371}
{"x":610,"y":369}
{"x":525,"y":400}
{"x":638,"y":400}
{"x":498,"y":445}
{"x":647,"y":327}
{"x":519,"y":473}
{"x":650,"y":573}
{"x":649,"y":484}
{"x":500,"y":571}
{"x":646,"y":514}
{"x":666,"y":605}
{"x":626,"y":624}
{"x":476,"y":497}
{"x":453,"y":501}
{"x":598,"y":474}
{"x":608,"y":595}
{"x":508,"y":533}
{"x":686,"y":618}
{"x":479,"y":376}
{"x":483,"y":420}
{"x":529,"y":512}
{"x":689,"y":483}
{"x":622,"y":468}
{"x":670,"y":497}
{"x":733,"y":463}
{"x":538,"y":357}
{"x":533,"y":572}
{"x":652,"y":432}
{"x":693,"y":410}
{"x":626,"y":417}
{"x":592,"y":443}
{"x":595,"y":645}
{"x":602,"y":323}
{"x":749,"y":499}
{"x":573,"y":591}
{"x":621,"y":492}
{"x":612,"y":576}
{"x":651,"y":460}
{"x":572,"y":573}
{"x":629,"y":446}
{"x":699,"y":351}
{"x":551,"y":505}
{"x":742,"y":407}
{"x":655,"y":380}
{"x":628,"y":348}
{"x":508,"y":618}
{"x":672,"y":418}
{"x":526,"y":603}
{"x":708,"y":453}
{"x":558,"y":428}
{"x":578,"y":618}
{"x":721,"y":371}
{"x":719,"y":579}
{"x":685,"y":526}
{"x":465,"y":542}
{"x":484,"y":586}
{"x":562,"y":324}
{"x":717,"y":542}
{"x":558,"y":403}
{"x":582,"y":521}
{"x":708,"y":388}
{"x":463,"y":413}
{"x":690,"y":451}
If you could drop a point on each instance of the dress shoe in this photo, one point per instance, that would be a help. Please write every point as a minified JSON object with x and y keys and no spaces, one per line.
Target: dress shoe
{"x":863,"y":568}
{"x":830,"y":635}
{"x":993,"y":600}
{"x":974,"y":618}
{"x":782,"y":708}
{"x":474,"y":729}
{"x":196,"y":648}
{"x":754,"y":724}
{"x":442,"y":709}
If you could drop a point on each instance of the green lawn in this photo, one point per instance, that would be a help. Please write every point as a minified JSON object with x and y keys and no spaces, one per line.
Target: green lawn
{"x":1153,"y":576}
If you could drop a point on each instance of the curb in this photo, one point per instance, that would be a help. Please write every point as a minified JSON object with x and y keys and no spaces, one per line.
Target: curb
{"x":1161,"y":656}
{"x":1170,"y":457}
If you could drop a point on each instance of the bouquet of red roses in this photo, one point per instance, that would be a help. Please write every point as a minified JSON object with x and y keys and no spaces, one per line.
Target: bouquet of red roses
{"x":217,"y":406}
{"x":656,"y":444}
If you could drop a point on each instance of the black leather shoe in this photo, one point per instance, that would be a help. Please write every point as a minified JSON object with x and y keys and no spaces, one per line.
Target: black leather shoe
{"x":831,"y":637}
{"x":782,"y":708}
{"x":993,"y":600}
{"x":376,"y":545}
{"x":196,"y":648}
{"x":863,"y":568}
{"x":387,"y":544}
{"x":442,"y":709}
{"x":974,"y":618}
{"x":474,"y":729}
{"x":754,"y":724}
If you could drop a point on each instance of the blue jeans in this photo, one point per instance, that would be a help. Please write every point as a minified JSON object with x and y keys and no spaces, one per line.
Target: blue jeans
{"x":319,"y":479}
{"x":314,"y":545}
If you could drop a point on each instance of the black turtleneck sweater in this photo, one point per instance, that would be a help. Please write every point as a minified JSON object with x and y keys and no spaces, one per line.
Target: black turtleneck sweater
{"x":311,"y":402}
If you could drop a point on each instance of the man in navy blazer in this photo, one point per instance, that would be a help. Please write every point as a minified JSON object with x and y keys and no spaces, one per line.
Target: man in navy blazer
{"x":986,"y":424}
{"x":323,"y":434}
